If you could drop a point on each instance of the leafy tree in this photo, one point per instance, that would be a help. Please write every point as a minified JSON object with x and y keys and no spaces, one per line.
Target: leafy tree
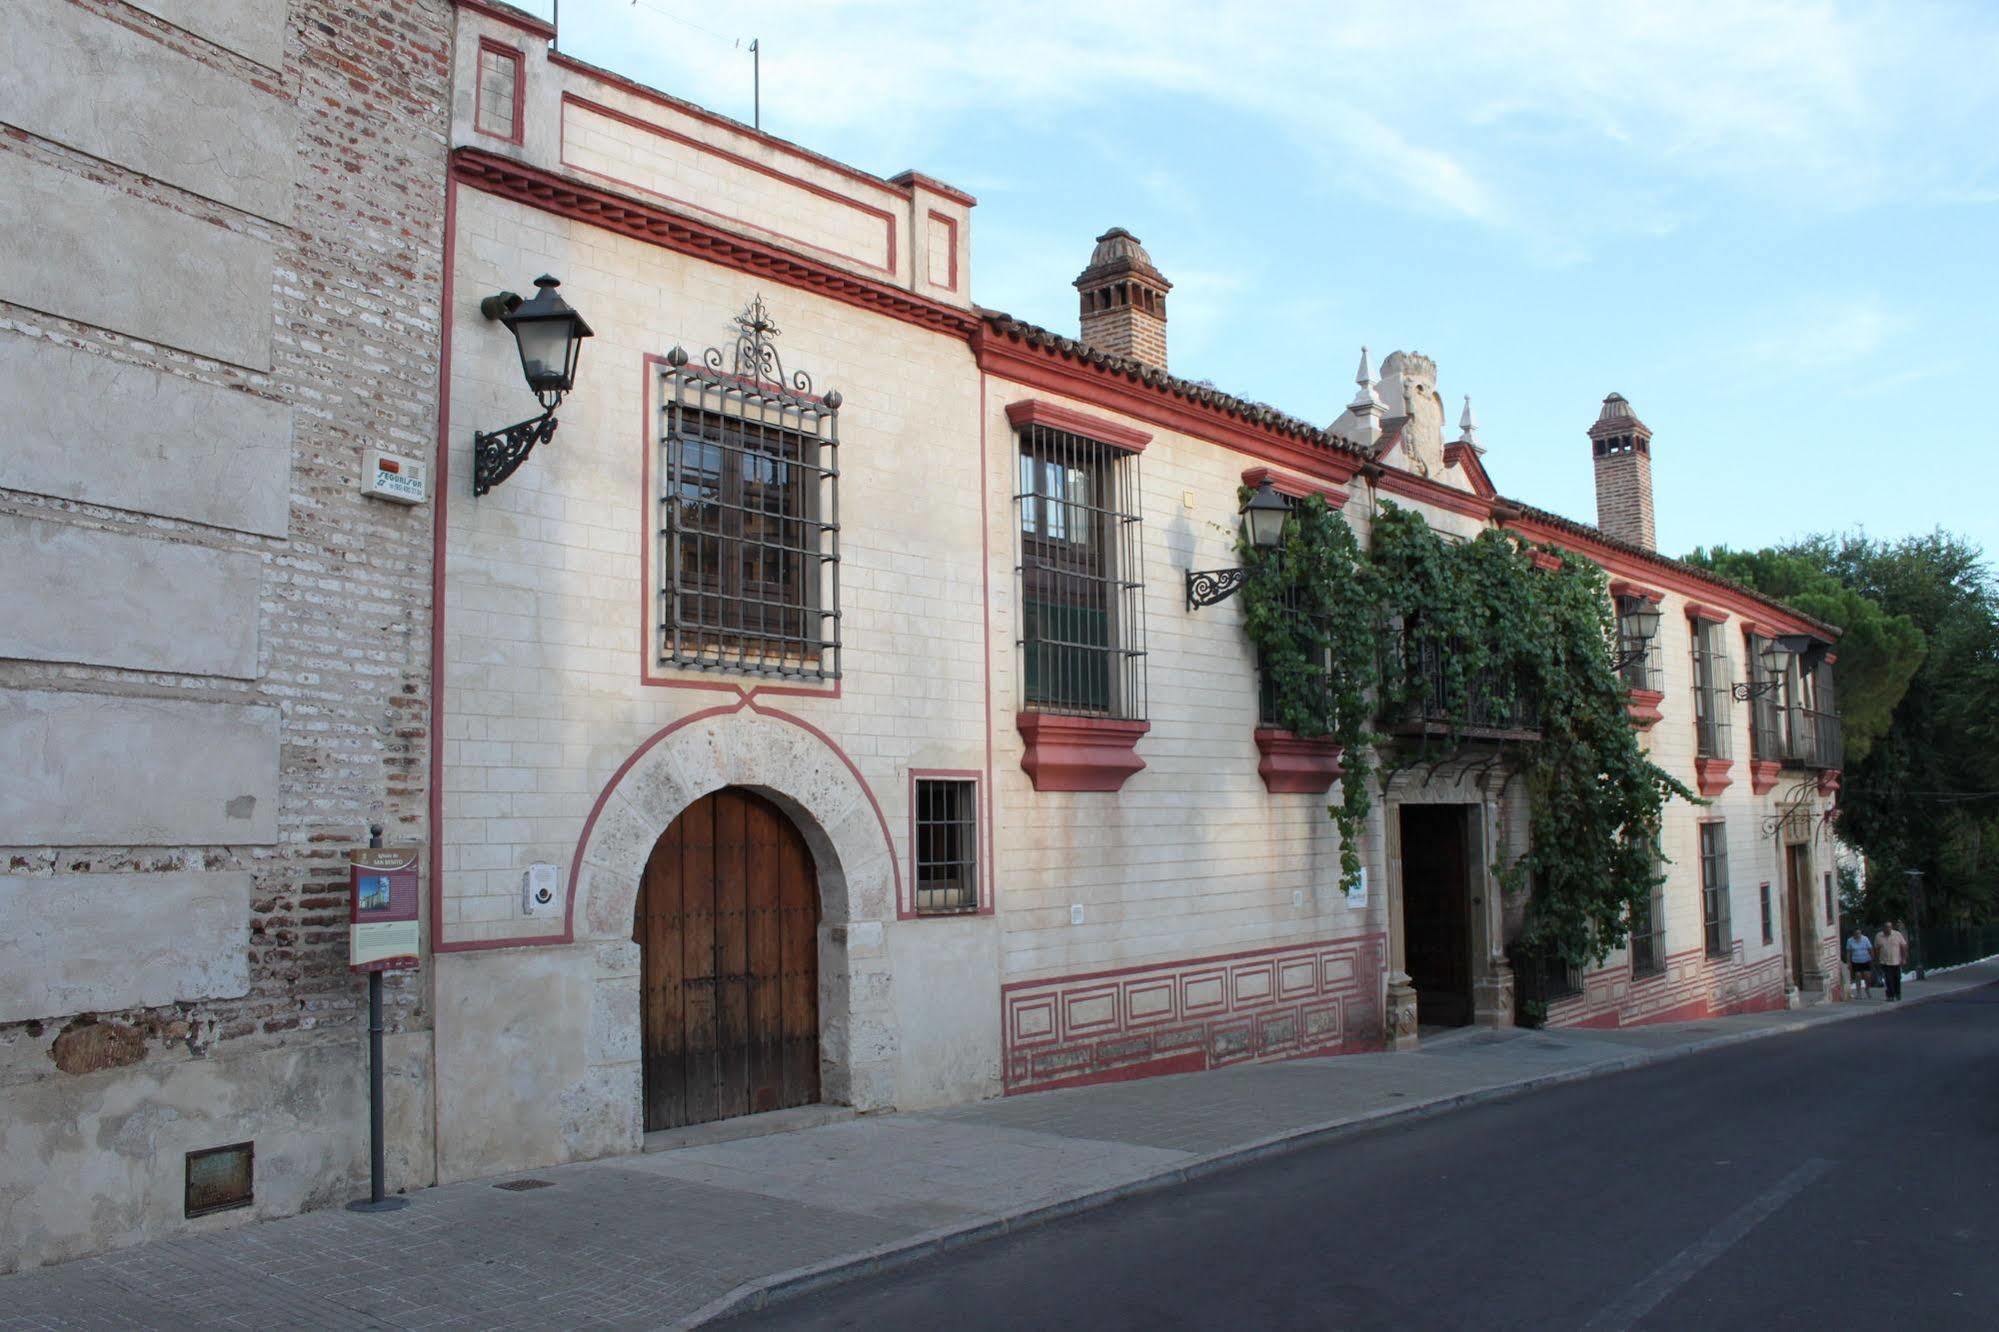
{"x":1878,"y":653}
{"x":1923,"y":791}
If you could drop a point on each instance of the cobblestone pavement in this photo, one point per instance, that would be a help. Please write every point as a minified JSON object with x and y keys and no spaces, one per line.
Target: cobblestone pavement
{"x":648,"y":1241}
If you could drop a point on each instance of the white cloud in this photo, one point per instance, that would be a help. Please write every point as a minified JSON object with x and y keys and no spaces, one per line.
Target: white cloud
{"x":1503,"y":116}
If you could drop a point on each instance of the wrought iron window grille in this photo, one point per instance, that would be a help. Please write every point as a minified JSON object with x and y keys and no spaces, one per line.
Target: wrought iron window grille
{"x":947,"y":846}
{"x":1711,"y":692}
{"x":1715,"y":922}
{"x":749,"y":520}
{"x":1079,"y":563}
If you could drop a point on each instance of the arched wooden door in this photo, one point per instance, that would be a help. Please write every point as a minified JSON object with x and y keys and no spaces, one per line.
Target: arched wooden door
{"x":728,"y":933}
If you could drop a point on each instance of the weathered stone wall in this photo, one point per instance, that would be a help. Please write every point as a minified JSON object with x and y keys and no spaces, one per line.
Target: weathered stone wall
{"x":222,"y":283}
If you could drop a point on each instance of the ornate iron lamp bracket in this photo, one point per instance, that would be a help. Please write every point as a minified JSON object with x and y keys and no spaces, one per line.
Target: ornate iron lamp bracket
{"x":496,"y":454}
{"x":1744,"y":692}
{"x":1205,"y":587}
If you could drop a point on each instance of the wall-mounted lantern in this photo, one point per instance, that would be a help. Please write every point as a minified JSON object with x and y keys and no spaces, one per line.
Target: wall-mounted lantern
{"x":1637,"y":626}
{"x":1776,"y":658}
{"x":550,"y":337}
{"x":1263,"y":514}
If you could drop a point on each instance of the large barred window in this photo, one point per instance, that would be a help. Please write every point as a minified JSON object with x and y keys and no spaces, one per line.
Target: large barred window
{"x":1082,"y":629}
{"x":749,"y":521}
{"x":1711,"y":691}
{"x":1648,"y":928}
{"x":1714,"y":890}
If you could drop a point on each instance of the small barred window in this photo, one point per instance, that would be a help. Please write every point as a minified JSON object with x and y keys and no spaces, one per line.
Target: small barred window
{"x":947,"y":846}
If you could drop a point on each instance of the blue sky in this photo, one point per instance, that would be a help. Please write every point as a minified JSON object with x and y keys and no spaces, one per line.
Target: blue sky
{"x":1768,"y":224}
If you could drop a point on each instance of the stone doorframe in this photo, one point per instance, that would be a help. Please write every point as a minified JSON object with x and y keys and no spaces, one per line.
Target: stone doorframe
{"x":800,"y":770}
{"x":1492,"y":975}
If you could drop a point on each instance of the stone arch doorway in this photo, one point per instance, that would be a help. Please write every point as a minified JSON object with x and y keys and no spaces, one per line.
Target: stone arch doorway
{"x":727,"y":924}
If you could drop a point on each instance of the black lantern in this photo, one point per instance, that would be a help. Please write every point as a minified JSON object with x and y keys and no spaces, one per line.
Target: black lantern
{"x":1265,"y":513}
{"x":1637,"y":626}
{"x":1263,"y":516}
{"x":549,"y":335}
{"x":1775,"y":657}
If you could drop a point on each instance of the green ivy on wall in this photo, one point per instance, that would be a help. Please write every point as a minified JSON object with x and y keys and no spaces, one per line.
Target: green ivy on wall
{"x":1471,"y":634}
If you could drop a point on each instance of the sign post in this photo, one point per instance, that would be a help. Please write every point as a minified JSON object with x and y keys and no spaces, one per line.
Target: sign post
{"x":382,"y":936}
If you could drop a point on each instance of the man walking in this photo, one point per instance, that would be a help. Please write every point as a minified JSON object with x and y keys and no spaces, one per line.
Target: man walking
{"x":1891,"y":950}
{"x":1860,"y":955}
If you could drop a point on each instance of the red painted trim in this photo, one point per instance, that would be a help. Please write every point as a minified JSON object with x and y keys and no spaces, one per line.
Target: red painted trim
{"x":1620,"y":588}
{"x":1297,"y":765}
{"x":1696,"y":611}
{"x":1544,"y":561}
{"x":1079,"y":753}
{"x":1053,"y":415}
{"x":982,"y":894}
{"x":518,"y":132}
{"x":582,"y":202}
{"x":651,"y":673}
{"x":1423,"y":490}
{"x":1193,"y":1061}
{"x":1644,"y":707}
{"x":1763,"y":775}
{"x":951,"y":227}
{"x":701,"y":113}
{"x":1711,"y":775}
{"x":886,"y":218}
{"x":910,"y":180}
{"x":510,"y":16}
{"x":1012,"y":358}
{"x":1460,"y":454}
{"x":1294,"y":486}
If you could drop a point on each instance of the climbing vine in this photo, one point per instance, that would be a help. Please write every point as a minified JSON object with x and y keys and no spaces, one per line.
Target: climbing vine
{"x":1310,"y":608}
{"x":1488,"y":635}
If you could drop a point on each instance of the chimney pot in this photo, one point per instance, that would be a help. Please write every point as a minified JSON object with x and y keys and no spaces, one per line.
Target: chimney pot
{"x":1123,"y":298}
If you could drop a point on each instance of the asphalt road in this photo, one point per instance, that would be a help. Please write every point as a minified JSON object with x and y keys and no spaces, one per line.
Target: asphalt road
{"x":1844,"y":1177}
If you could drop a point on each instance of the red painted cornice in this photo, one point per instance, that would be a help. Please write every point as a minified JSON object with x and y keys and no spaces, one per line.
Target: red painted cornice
{"x":1007,"y":355}
{"x":1620,"y":588}
{"x":1297,"y":487}
{"x":674,"y":231}
{"x":1697,"y":611}
{"x":1460,"y":454}
{"x":1434,"y":493}
{"x":1039,"y":411}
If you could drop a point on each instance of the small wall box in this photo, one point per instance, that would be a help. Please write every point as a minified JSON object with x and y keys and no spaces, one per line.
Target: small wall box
{"x":392,"y":477}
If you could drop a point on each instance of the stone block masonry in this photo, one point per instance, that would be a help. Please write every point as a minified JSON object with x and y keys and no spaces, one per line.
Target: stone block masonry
{"x":218,"y":428}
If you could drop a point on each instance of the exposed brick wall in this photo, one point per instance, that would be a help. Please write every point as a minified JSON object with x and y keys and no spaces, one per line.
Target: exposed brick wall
{"x":1624,"y":497}
{"x":1127,"y":331}
{"x":344,"y":619}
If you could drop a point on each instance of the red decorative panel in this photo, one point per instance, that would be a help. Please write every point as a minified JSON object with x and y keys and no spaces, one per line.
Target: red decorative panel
{"x":1691,"y":986}
{"x":1763,"y":775}
{"x":1079,"y":753}
{"x":1174,"y":1017}
{"x":1711,"y":775}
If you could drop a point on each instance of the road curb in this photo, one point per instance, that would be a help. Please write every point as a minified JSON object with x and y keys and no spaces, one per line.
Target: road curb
{"x":762,"y":1292}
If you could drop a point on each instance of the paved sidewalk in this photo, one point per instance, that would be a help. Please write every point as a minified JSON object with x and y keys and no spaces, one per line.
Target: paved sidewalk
{"x":680,"y":1237}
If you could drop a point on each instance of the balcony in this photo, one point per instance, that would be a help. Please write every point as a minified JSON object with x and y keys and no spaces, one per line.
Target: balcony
{"x":1492,"y":712}
{"x":1799,"y":738}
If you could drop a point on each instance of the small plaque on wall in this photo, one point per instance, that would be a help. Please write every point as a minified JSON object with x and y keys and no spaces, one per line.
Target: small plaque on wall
{"x":392,"y":477}
{"x":1357,"y":890}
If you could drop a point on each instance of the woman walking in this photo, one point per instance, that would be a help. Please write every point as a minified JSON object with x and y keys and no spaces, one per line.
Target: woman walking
{"x":1860,"y":956}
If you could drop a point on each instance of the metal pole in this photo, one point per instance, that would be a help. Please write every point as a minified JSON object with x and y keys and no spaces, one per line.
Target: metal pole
{"x":756,"y":84}
{"x":1916,"y":920}
{"x":378,"y":1199}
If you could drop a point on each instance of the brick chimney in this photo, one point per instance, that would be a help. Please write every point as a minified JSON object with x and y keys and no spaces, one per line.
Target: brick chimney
{"x":1124,"y":300}
{"x":1623,"y":447}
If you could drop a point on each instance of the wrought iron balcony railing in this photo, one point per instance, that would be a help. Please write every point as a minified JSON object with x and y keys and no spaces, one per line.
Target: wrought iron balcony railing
{"x":1799,"y":738}
{"x":1488,"y":710}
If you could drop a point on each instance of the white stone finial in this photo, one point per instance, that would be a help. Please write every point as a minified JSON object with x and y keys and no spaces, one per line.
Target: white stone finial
{"x":1365,"y":399}
{"x":1468,"y":424}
